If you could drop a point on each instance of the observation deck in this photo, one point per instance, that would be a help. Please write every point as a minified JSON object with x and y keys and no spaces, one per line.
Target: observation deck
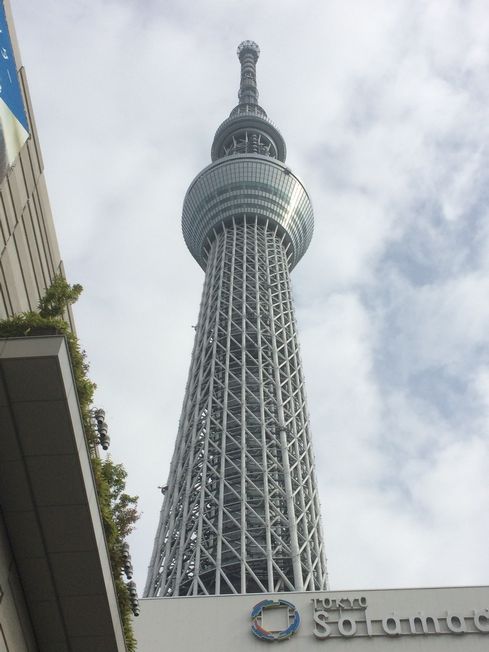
{"x":242,"y":186}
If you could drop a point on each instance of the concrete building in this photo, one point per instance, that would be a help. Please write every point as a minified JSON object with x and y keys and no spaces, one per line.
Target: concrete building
{"x":57,"y":593}
{"x":29,"y":252}
{"x":56,"y":587}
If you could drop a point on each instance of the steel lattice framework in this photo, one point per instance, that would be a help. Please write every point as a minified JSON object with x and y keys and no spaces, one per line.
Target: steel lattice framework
{"x":241,"y":512}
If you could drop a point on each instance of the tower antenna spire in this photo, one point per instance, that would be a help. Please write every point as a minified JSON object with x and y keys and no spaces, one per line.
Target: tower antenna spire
{"x":248,"y":53}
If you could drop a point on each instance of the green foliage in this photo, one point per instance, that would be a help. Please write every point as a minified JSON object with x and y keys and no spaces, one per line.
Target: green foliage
{"x":123,"y":506}
{"x":118,"y":509}
{"x":119,"y":513}
{"x":31,"y":323}
{"x":58,"y":297}
{"x":125,"y":608}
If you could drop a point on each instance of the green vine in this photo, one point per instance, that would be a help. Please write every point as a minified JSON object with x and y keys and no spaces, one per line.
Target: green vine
{"x":118,"y":509}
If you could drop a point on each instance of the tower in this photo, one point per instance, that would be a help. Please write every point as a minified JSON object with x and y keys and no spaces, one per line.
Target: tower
{"x":241,"y":511}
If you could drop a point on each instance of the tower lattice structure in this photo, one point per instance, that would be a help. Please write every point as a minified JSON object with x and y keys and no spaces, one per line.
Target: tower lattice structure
{"x":241,"y":512}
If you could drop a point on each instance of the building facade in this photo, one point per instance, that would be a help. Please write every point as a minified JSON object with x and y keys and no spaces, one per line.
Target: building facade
{"x":241,"y":512}
{"x":400,"y":620}
{"x":57,"y":592}
{"x":29,"y":252}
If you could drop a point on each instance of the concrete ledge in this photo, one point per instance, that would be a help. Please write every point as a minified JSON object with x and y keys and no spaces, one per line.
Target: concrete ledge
{"x":48,"y":499}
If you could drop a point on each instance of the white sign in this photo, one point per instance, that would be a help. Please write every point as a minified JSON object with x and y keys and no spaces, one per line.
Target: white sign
{"x":348,"y":617}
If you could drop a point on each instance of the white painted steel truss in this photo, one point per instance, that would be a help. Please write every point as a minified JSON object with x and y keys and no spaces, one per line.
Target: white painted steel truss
{"x":241,"y":513}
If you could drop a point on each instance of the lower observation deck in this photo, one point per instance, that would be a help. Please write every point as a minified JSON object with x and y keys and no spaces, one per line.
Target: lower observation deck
{"x":253,"y":185}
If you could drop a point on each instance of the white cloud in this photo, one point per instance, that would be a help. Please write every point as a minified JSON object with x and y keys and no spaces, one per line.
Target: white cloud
{"x":383,"y":107}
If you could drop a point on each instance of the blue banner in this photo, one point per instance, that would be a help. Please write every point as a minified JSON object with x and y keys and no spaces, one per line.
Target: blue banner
{"x":14,"y":128}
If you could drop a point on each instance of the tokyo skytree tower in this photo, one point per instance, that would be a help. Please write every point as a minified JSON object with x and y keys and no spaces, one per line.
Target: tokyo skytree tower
{"x":241,"y":511}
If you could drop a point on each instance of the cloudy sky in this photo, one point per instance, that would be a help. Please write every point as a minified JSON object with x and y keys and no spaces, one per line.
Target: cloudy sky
{"x":383,"y":104}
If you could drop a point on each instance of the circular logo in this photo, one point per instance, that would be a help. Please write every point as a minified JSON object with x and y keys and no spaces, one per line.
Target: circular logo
{"x":292,"y":616}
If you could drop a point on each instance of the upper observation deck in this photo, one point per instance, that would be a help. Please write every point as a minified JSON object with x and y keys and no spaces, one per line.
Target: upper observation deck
{"x":248,"y":177}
